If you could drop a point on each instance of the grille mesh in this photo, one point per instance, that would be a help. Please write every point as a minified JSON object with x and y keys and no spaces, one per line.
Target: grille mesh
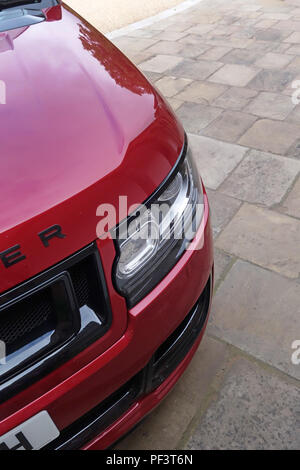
{"x":24,"y":317}
{"x":79,"y":276}
{"x":37,"y":313}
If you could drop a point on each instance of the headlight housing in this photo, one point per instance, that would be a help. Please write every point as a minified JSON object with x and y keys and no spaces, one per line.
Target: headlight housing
{"x":151,"y":241}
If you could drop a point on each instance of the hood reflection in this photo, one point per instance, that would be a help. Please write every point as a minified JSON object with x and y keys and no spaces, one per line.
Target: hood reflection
{"x":120,"y":70}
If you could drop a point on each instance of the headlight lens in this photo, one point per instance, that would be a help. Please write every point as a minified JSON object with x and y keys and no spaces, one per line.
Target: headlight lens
{"x":150,"y":241}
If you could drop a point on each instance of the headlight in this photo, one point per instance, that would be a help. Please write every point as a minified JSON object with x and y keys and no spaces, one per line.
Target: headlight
{"x":150,"y":241}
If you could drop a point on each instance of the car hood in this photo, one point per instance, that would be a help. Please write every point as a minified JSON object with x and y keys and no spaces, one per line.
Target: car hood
{"x":80,"y":126}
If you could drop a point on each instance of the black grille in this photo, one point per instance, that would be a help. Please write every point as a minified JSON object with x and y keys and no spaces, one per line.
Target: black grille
{"x":168,"y":356}
{"x":37,"y":313}
{"x":23,"y":318}
{"x":80,"y":280}
{"x":53,"y":316}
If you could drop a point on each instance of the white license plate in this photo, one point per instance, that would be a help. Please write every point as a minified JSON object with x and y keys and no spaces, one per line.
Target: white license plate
{"x":33,"y":434}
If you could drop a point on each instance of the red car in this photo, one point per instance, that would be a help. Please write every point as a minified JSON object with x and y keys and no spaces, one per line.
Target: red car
{"x":98,"y":317}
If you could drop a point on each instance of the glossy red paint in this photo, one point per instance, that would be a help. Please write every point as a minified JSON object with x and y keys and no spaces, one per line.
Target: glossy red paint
{"x":81,"y":127}
{"x":67,"y":395}
{"x":89,"y":128}
{"x":53,"y":13}
{"x":141,"y":408}
{"x":105,"y":372}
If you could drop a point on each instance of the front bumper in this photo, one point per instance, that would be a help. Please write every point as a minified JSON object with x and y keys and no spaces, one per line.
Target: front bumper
{"x":101,"y":426}
{"x":122,"y":373}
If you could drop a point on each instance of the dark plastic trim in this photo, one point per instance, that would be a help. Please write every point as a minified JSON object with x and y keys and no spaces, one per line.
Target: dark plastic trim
{"x":91,"y":329}
{"x":98,"y":419}
{"x":86,"y":428}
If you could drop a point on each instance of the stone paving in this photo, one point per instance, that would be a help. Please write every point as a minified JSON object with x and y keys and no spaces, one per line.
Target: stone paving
{"x":229,"y":69}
